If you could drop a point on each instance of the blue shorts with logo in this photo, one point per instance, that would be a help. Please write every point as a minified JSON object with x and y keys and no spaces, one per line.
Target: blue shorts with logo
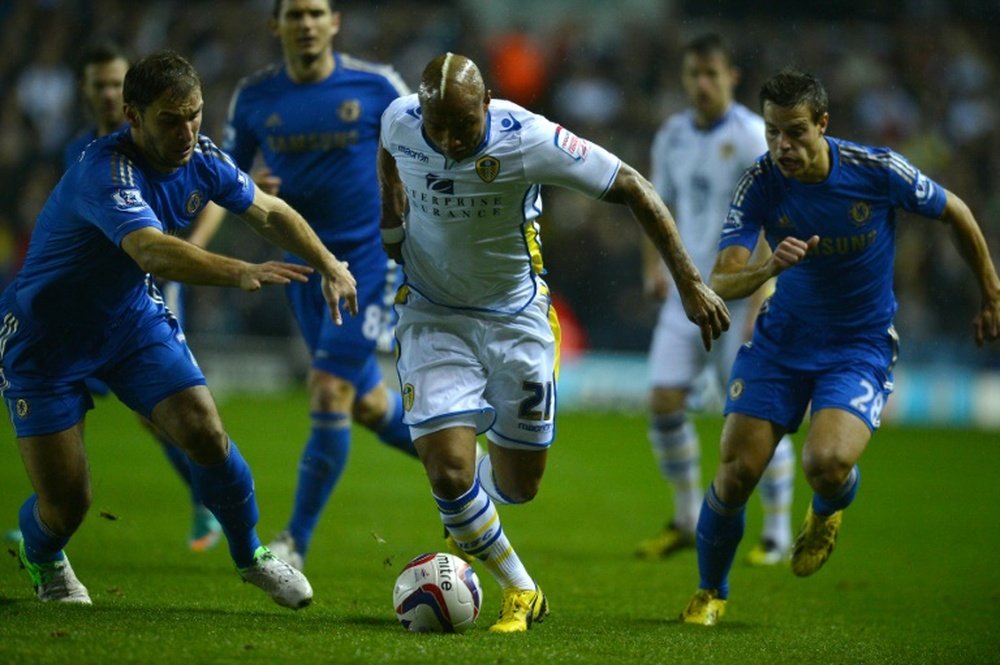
{"x":788,"y":366}
{"x":142,"y":357}
{"x":348,"y":351}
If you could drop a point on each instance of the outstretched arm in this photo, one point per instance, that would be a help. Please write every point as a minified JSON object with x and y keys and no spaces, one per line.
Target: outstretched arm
{"x":702,"y":306}
{"x":281,"y":225}
{"x":972,"y":246}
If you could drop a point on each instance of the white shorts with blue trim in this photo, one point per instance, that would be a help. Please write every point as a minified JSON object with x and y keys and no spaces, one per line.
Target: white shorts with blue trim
{"x":492,"y":372}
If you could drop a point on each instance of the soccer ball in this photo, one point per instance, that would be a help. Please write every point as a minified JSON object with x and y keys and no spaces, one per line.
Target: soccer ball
{"x":437,"y":593}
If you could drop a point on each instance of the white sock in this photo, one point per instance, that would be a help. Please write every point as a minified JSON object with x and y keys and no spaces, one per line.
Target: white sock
{"x":473,"y":521}
{"x":776,"y":487}
{"x":675,"y":446}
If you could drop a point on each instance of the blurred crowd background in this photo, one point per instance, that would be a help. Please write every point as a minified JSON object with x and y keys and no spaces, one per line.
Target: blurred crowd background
{"x":921,"y":76}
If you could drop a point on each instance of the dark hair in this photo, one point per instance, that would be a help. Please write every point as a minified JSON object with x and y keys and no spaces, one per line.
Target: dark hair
{"x":98,"y":54}
{"x":157,"y":73}
{"x":709,"y":44}
{"x":276,"y":11}
{"x":791,"y":87}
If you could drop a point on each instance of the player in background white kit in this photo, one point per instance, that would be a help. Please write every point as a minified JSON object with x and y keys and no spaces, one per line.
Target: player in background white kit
{"x":697,"y":157}
{"x":478,"y":339}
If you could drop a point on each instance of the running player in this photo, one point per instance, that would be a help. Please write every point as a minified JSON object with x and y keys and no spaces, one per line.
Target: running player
{"x":478,"y":337}
{"x":826,"y":337}
{"x":83,"y":305}
{"x":697,"y":158}
{"x":315,"y":121}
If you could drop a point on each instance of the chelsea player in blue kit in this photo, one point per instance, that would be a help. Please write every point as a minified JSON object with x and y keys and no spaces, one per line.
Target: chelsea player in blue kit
{"x":84,"y":305}
{"x":826,"y":337}
{"x":315,"y":121}
{"x":102,"y":77}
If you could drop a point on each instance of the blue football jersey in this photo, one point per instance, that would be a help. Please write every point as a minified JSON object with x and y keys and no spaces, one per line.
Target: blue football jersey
{"x":321,"y":139}
{"x":845,"y":283}
{"x":76,"y":280}
{"x":71,"y":154}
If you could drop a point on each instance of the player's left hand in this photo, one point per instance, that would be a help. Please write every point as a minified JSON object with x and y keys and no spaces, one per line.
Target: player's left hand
{"x":707,"y":310}
{"x":339,"y":284}
{"x":986,"y":325}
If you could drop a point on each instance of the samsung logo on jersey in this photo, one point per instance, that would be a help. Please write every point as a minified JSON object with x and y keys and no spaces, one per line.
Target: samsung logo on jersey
{"x":413,"y":154}
{"x":844,"y":244}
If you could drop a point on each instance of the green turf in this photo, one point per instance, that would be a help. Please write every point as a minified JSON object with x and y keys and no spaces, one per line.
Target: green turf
{"x":915,"y":578}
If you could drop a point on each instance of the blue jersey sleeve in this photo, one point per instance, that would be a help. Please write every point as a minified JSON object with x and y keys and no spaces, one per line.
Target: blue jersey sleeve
{"x":912,"y":191}
{"x":747,"y":212}
{"x":233,"y":189}
{"x":117,"y":207}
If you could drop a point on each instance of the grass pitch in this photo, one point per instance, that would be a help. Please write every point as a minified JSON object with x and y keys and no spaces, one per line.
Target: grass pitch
{"x":915,"y":577}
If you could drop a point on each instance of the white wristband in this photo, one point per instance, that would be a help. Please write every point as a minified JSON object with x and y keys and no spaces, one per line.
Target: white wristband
{"x":393,"y":234}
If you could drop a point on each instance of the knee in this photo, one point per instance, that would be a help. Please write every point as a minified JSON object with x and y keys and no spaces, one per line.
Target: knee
{"x":736,"y":479}
{"x":328,"y":393}
{"x":520,"y":490}
{"x":449,"y":479}
{"x":825,"y":469}
{"x":204,"y":439}
{"x":369,"y":410}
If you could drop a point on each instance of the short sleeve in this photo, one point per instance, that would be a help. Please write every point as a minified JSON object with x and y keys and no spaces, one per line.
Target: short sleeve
{"x":911,"y":190}
{"x":553,"y":155}
{"x":118,"y":208}
{"x":747,"y":212}
{"x":233,"y":188}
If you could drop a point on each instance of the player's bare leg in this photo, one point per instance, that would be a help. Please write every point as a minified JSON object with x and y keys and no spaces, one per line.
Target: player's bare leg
{"x":469,"y":514}
{"x":834,"y":444}
{"x":57,"y":468}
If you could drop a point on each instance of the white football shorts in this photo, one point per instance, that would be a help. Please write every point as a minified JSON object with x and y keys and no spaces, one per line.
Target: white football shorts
{"x":677,"y":356}
{"x":493,"y":372}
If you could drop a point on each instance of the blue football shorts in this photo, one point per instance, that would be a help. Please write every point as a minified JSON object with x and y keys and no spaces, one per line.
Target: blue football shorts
{"x":778,"y":386}
{"x":348,"y":351}
{"x":145,"y":360}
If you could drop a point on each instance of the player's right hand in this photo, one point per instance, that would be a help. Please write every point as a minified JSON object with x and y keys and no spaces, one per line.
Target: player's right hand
{"x":256,"y":275}
{"x":790,"y":251}
{"x":339,"y":284}
{"x":705,"y":309}
{"x":270,"y":184}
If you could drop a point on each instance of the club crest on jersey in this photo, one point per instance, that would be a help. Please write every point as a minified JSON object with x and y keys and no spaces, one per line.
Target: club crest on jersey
{"x":736,"y":389}
{"x":571,"y":144}
{"x":128,"y":199}
{"x":487,"y":168}
{"x":21,"y":406}
{"x":407,"y":394}
{"x":273,"y":120}
{"x":861,"y":212}
{"x":727,"y":150}
{"x":350,"y":110}
{"x":194,"y":203}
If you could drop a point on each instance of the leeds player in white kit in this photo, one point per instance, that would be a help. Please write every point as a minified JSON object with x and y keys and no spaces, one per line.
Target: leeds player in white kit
{"x":697,"y":158}
{"x":477,"y":336}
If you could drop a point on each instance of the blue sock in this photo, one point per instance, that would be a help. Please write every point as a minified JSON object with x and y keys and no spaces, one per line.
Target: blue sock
{"x":720,"y":529}
{"x":323,"y":461}
{"x":392,"y":431}
{"x":842,"y":499}
{"x":227,"y":490}
{"x":181,"y":463}
{"x":40,"y":544}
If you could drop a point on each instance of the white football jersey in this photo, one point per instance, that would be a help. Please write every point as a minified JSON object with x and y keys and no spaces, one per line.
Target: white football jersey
{"x":695,"y":171}
{"x":472,"y":236}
